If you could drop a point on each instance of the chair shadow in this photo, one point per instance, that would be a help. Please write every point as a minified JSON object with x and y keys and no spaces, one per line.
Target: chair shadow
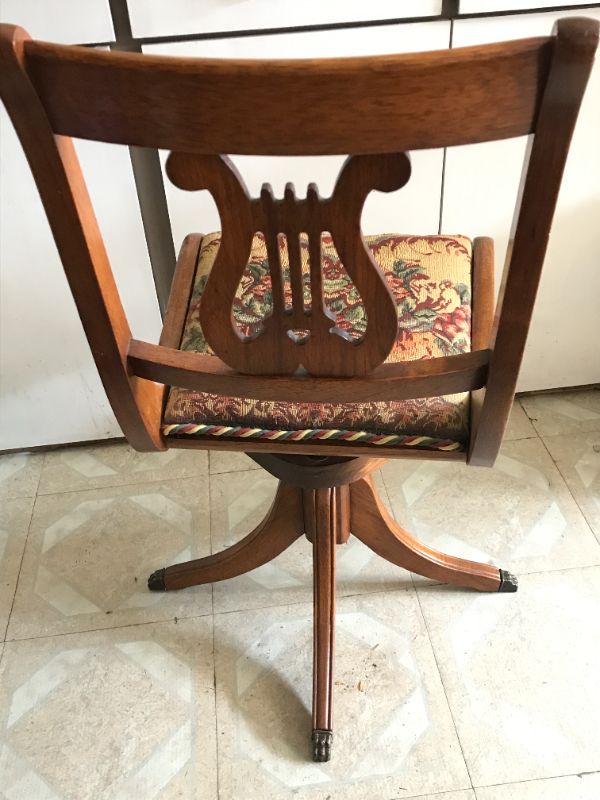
{"x":273,"y":712}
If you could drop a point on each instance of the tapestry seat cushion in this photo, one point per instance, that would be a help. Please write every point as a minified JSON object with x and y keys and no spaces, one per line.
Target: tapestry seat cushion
{"x":430,"y":277}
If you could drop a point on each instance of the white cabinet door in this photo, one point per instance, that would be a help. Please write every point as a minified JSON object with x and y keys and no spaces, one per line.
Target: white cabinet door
{"x":50,"y":392}
{"x":180,"y":17}
{"x":413,"y":209}
{"x":63,"y":21}
{"x":480,"y":189}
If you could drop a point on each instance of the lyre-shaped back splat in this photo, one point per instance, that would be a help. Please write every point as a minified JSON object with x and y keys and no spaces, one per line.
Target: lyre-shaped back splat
{"x":279,"y":348}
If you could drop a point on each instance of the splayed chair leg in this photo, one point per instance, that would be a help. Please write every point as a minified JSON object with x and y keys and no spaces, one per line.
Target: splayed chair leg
{"x":371,"y":523}
{"x":326,"y":515}
{"x":326,"y":521}
{"x":279,"y":529}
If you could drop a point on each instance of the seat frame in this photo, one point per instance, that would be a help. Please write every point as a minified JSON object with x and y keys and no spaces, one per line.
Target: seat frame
{"x":354,"y":390}
{"x":331,"y":106}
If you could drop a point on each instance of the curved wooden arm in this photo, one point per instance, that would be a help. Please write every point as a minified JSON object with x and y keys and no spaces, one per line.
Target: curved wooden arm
{"x":408,"y":379}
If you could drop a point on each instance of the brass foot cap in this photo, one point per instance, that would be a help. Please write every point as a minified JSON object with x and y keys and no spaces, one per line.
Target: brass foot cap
{"x":508,"y":582}
{"x":156,"y":581}
{"x":321,"y":743}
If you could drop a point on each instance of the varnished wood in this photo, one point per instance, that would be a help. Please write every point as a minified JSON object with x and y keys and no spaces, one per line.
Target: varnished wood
{"x":340,"y":503}
{"x":371,"y":523}
{"x":429,"y":377}
{"x":482,"y":310}
{"x":323,"y":526}
{"x":482,"y":314}
{"x":342,"y":513}
{"x":338,"y":510}
{"x":181,"y":291}
{"x":318,"y":471}
{"x":379,"y":104}
{"x":321,"y":448}
{"x":137,"y":404}
{"x":280,"y":528}
{"x":576,"y":41}
{"x":324,"y":349}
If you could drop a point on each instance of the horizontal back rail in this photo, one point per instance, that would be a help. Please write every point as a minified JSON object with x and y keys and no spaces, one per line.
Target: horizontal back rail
{"x":403,"y":381}
{"x":293,"y":107}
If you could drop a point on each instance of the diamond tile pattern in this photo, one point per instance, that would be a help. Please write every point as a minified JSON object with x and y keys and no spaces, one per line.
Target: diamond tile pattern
{"x":110,"y":715}
{"x":578,"y":459}
{"x":19,"y":474}
{"x":110,"y":692}
{"x":114,"y":465}
{"x":519,"y":515}
{"x":520,"y":674}
{"x":89,"y":554}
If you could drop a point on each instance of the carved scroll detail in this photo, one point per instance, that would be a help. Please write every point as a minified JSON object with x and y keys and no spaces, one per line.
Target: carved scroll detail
{"x":324,"y":349}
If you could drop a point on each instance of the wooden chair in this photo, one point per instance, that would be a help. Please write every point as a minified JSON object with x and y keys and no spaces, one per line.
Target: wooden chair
{"x":304,"y":352}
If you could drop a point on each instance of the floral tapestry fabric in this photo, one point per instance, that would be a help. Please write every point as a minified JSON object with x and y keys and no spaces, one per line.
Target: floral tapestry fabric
{"x":430,"y":277}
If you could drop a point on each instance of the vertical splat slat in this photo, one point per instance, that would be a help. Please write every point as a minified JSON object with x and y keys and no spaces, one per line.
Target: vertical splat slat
{"x":292,"y":230}
{"x":270,"y":227}
{"x":314,"y":228}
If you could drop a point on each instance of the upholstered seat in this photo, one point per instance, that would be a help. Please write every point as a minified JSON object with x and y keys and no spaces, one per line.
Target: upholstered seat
{"x":430,"y":277}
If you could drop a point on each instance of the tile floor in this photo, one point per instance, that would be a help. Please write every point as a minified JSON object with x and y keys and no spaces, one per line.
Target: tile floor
{"x":112,"y":693}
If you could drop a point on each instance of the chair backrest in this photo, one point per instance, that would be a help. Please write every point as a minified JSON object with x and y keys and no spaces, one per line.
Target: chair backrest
{"x":376,"y":109}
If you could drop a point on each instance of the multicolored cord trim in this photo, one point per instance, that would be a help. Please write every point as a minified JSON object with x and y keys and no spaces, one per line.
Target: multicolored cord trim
{"x":312,"y":434}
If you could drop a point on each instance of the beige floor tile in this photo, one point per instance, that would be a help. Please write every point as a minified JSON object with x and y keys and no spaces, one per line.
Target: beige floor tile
{"x":521,"y":674}
{"x":19,"y":474}
{"x":393,"y":734}
{"x":574,"y":787}
{"x":123,"y":714}
{"x":519,"y":515}
{"x":116,"y":464}
{"x":239,"y":501}
{"x":577,"y":457}
{"x":564,"y":412}
{"x":519,"y":425}
{"x":89,"y":554}
{"x":466,"y":794}
{"x":15,"y":515}
{"x":229,"y":461}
